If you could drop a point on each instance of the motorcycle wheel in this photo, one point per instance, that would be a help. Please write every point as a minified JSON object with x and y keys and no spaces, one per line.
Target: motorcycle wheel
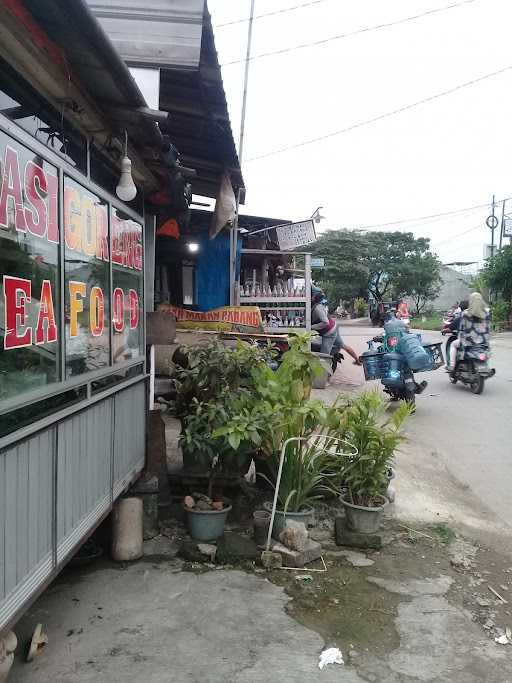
{"x":453,"y":380}
{"x":477,"y":385}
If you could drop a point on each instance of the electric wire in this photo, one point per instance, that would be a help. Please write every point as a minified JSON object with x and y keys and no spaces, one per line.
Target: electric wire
{"x":381,"y":117}
{"x":349,"y":34}
{"x":459,"y":234}
{"x":270,"y":14}
{"x":422,"y":218}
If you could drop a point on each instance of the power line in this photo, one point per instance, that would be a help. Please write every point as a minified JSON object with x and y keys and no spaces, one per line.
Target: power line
{"x":270,"y":14}
{"x":366,"y":29}
{"x":459,"y":234}
{"x":381,"y":117}
{"x":422,"y":218}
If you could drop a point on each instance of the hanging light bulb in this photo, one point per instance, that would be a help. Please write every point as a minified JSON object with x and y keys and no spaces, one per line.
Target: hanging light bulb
{"x":126,"y":190}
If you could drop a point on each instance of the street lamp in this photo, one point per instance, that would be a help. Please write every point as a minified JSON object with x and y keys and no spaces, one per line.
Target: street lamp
{"x":317,"y":216}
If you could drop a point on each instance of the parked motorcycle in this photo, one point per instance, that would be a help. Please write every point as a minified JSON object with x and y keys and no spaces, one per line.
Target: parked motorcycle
{"x":472,"y":366}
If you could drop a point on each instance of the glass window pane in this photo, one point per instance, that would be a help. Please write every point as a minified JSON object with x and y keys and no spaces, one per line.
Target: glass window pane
{"x":29,"y":258}
{"x":127,"y":304}
{"x":87,"y":280}
{"x":23,"y":105}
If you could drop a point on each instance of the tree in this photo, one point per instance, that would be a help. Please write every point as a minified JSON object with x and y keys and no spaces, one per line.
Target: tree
{"x":420,"y":279}
{"x":498,"y":272}
{"x":345,"y":275}
{"x":361,"y":263}
{"x":388,"y":259}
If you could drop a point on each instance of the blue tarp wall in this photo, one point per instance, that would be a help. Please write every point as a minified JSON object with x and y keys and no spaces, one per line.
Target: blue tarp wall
{"x":213,"y":271}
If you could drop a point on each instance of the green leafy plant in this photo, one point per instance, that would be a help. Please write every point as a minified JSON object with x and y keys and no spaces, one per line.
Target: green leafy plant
{"x":368,"y":423}
{"x":500,"y":311}
{"x":221,"y":433}
{"x":360,"y":307}
{"x":203,"y":373}
{"x":233,"y":405}
{"x":304,"y":476}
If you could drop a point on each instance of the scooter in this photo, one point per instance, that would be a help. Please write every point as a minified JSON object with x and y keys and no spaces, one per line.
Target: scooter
{"x":472,"y":366}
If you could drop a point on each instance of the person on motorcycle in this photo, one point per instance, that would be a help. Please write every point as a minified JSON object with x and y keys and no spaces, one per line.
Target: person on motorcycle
{"x":472,"y":325}
{"x":402,"y":311}
{"x":326,"y":326}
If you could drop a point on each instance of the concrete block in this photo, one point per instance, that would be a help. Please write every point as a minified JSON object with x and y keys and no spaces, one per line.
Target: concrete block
{"x":296,"y":558}
{"x":353,"y":539}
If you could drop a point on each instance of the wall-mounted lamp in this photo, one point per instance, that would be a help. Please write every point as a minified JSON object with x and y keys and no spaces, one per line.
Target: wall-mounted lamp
{"x":126,"y":189}
{"x":317,"y":216}
{"x":193,"y":247}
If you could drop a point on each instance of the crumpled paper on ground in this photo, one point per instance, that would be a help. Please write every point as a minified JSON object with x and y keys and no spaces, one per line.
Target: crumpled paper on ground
{"x":330,"y":656}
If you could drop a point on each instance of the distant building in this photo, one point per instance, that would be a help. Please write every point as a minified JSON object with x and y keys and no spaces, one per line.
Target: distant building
{"x":456,"y":286}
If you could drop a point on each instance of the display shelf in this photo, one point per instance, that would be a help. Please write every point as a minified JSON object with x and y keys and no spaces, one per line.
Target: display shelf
{"x":270,"y":304}
{"x":272,"y":300}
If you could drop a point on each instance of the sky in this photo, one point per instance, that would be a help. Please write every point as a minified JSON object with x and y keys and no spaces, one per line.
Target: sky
{"x":445,"y":155}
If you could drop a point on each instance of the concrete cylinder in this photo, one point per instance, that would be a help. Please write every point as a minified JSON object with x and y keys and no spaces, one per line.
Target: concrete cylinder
{"x":127,"y":530}
{"x":8,"y":644}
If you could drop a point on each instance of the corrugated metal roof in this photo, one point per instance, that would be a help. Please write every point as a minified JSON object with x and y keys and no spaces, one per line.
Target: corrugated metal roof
{"x":92,"y":58}
{"x":177,"y":36}
{"x":168,"y":31}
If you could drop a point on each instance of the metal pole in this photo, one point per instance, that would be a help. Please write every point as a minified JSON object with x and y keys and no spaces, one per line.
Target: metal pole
{"x":492,"y":229}
{"x":502,"y":227}
{"x":234,"y":229}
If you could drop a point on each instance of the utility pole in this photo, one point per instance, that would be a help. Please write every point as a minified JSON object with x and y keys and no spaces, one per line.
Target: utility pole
{"x":493,"y":226}
{"x":502,"y":227}
{"x":233,"y":294}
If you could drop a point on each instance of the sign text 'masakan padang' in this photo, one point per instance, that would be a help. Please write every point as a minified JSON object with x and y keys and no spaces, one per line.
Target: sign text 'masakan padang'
{"x":29,"y":204}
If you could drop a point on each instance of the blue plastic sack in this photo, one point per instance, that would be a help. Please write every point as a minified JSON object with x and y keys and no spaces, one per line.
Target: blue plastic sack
{"x":416,"y":356}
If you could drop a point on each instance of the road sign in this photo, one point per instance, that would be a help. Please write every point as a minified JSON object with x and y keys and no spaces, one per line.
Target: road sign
{"x":492,"y":222}
{"x":296,"y":235}
{"x":507,"y":227}
{"x":318,"y":262}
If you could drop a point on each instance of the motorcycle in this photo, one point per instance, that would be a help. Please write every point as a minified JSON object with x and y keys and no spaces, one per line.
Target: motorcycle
{"x":385,"y":363}
{"x":472,"y":366}
{"x":447,"y":321}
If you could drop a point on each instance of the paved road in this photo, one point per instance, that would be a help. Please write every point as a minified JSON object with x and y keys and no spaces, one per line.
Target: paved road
{"x":469,"y":437}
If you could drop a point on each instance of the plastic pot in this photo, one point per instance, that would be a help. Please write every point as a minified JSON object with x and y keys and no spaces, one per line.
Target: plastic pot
{"x":261,"y":523}
{"x":364,"y":520}
{"x":207,"y":525}
{"x":281,"y":517}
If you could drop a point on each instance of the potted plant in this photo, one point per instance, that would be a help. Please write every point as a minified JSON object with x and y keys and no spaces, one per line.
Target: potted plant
{"x":205,"y":375}
{"x":303,"y":481}
{"x":368,"y":423}
{"x":222,"y":435}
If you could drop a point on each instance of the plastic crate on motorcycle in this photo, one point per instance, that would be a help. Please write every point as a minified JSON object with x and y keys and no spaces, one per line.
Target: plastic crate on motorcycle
{"x":388,"y":367}
{"x":435,"y":352}
{"x":374,"y":365}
